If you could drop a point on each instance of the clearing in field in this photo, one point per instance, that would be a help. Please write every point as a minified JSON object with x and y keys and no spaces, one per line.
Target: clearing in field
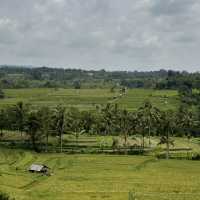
{"x":97,"y":177}
{"x":85,"y":99}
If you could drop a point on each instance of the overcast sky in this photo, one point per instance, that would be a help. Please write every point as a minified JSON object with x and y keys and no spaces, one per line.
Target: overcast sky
{"x":96,"y":34}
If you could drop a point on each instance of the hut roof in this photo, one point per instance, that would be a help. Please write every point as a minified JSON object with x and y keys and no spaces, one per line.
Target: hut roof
{"x":36,"y":167}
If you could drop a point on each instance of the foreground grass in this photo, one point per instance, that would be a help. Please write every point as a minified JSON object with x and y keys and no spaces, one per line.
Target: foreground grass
{"x":89,"y":98}
{"x":95,"y":177}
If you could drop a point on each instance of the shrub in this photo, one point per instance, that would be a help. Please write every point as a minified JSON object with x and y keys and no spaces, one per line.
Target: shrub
{"x":196,"y":157}
{"x":4,"y":196}
{"x":115,"y":143}
{"x":2,"y":95}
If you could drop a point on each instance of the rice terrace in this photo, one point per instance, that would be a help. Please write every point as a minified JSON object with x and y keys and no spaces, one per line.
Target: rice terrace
{"x":99,"y":100}
{"x":94,"y":163}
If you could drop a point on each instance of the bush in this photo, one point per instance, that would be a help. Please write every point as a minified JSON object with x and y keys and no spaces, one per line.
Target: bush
{"x":196,"y":157}
{"x":4,"y":196}
{"x":131,"y":196}
{"x":115,"y":143}
{"x":2,"y":95}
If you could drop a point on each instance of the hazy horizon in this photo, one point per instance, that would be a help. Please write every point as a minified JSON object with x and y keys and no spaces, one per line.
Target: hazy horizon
{"x":142,"y":35}
{"x":99,"y":69}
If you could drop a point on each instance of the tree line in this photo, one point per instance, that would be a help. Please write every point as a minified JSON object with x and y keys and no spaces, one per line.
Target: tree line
{"x":39,"y":124}
{"x":34,"y":77}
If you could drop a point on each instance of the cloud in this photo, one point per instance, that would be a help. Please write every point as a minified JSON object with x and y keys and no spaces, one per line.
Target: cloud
{"x":172,"y":7}
{"x":107,"y":34}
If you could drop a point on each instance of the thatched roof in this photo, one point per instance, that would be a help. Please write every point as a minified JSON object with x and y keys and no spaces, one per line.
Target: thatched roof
{"x":37,"y":168}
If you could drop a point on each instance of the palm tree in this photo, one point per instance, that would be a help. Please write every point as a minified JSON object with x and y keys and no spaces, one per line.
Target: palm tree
{"x":108,"y":118}
{"x":45,"y":115}
{"x":2,"y":121}
{"x":141,"y":127}
{"x":166,"y":127}
{"x":185,"y":119}
{"x":149,"y":115}
{"x":124,"y":124}
{"x":20,"y":111}
{"x":75,"y":122}
{"x":86,"y":120}
{"x":33,"y":125}
{"x":60,"y":123}
{"x":2,"y":94}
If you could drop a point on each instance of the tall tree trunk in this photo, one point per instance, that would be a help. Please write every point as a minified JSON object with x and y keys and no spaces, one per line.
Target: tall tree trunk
{"x":1,"y":132}
{"x":143,"y":141}
{"x":125,"y":142}
{"x":125,"y":139}
{"x":149,"y":134}
{"x":77,"y":136}
{"x":34,"y":143}
{"x":47,"y":142}
{"x":167,"y":145}
{"x":61,"y":142}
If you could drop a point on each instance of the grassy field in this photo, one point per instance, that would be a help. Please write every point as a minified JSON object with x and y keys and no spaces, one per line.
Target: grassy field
{"x":98,"y":176}
{"x":89,"y":98}
{"x":95,"y":177}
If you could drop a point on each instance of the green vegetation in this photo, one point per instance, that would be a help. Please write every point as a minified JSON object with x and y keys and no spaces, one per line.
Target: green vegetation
{"x":31,"y":77}
{"x":2,"y":95}
{"x":85,"y":99}
{"x":37,"y":125}
{"x":98,"y":177}
{"x":4,"y":196}
{"x":90,"y":135}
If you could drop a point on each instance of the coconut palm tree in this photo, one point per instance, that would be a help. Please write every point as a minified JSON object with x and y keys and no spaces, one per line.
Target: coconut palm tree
{"x":185,"y":119}
{"x":20,"y":113}
{"x":2,"y":94}
{"x":59,"y":121}
{"x":45,"y":114}
{"x":124,"y":124}
{"x":141,"y":127}
{"x":3,"y":121}
{"x":149,"y":115}
{"x":107,"y":113}
{"x":166,"y":127}
{"x":32,"y":127}
{"x":75,"y":123}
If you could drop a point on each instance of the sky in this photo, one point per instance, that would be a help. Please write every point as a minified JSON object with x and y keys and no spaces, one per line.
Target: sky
{"x":101,"y":34}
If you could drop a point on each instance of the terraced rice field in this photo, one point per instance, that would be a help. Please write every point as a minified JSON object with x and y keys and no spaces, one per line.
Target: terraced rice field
{"x":95,"y":177}
{"x":88,"y":98}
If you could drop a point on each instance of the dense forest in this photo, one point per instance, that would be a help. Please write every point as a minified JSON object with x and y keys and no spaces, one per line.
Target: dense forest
{"x":31,"y":77}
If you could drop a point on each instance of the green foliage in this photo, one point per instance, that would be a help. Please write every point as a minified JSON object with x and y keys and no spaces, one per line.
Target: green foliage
{"x":98,"y":177}
{"x":167,"y":124}
{"x":46,"y":123}
{"x":4,"y":196}
{"x":26,"y":77}
{"x":33,"y":125}
{"x":111,"y":119}
{"x":131,"y":196}
{"x":59,"y":123}
{"x":2,"y":94}
{"x":20,"y":112}
{"x":89,"y":99}
{"x":77,"y":85}
{"x":115,"y":143}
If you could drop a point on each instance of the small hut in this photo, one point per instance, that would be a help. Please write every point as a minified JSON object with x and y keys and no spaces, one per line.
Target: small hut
{"x":38,"y":168}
